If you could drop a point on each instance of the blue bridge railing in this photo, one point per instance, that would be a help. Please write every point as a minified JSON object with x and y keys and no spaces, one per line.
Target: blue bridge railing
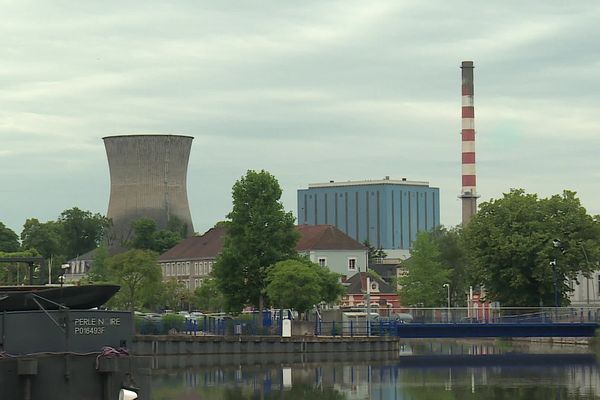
{"x":408,"y":322}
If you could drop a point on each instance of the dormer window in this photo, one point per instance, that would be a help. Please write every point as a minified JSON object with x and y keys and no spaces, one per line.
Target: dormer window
{"x":374,"y":287}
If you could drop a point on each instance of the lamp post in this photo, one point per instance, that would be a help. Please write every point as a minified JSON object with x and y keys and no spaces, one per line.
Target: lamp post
{"x":447,"y":286}
{"x":554,"y":264}
{"x":368,"y":301}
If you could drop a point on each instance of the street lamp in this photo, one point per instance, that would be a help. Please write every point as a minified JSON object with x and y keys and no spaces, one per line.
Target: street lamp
{"x":556,"y":243}
{"x":61,"y":277}
{"x":447,"y":286}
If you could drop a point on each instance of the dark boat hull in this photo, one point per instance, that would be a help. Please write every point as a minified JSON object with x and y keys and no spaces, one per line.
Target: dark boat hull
{"x":23,"y":298}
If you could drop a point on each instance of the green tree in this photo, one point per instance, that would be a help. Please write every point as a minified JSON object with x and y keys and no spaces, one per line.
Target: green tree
{"x":510,"y":242}
{"x":174,"y":295}
{"x":9,"y":241}
{"x":452,"y":256}
{"x":148,"y":237}
{"x":208,"y":297}
{"x":99,"y":271}
{"x":138,"y":273}
{"x":177,"y":226}
{"x":16,"y":273}
{"x":426,"y":275}
{"x":144,"y":230}
{"x":260,"y":233}
{"x":300,"y":284}
{"x":81,"y":231}
{"x":375,"y":254}
{"x":164,"y":240}
{"x":44,"y":237}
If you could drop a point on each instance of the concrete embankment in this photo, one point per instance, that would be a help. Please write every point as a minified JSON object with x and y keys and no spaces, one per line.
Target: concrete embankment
{"x":149,"y":345}
{"x":69,"y":376}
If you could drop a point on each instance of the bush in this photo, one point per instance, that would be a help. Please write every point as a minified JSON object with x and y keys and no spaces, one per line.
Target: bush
{"x":173,"y":321}
{"x":144,"y":326}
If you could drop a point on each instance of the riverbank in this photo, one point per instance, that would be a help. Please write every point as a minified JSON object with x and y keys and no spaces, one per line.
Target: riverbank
{"x":180,"y":344}
{"x":160,"y":345}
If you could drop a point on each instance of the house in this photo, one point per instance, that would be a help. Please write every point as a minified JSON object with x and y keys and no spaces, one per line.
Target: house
{"x":330,"y":247}
{"x":388,"y":272}
{"x":383,"y":298}
{"x":191,"y":261}
{"x":79,"y":267}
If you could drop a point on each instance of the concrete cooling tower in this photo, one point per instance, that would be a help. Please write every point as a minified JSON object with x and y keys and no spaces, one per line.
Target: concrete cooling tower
{"x":148,"y":176}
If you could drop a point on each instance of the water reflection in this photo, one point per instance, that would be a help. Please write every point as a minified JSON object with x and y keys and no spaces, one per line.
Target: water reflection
{"x":506,"y":376}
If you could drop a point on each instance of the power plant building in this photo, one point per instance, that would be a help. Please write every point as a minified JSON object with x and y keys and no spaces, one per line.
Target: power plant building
{"x":386,"y":213}
{"x":148,"y":179}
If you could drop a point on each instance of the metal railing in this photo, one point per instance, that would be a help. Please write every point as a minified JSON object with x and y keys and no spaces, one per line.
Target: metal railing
{"x":384,"y":323}
{"x":498,"y":314}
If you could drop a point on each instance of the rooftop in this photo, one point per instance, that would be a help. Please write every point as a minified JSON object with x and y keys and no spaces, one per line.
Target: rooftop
{"x":208,"y":245}
{"x":384,"y":181}
{"x":312,"y":237}
{"x":325,"y":237}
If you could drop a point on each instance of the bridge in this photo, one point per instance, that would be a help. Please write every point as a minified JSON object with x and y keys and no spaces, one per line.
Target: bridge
{"x":487,"y":330}
{"x":465,"y":323}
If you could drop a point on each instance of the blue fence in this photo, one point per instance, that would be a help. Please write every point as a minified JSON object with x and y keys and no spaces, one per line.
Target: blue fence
{"x":427,"y":323}
{"x":248,"y":324}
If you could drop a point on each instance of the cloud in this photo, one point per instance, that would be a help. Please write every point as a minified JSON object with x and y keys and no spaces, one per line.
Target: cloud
{"x":311,"y":91}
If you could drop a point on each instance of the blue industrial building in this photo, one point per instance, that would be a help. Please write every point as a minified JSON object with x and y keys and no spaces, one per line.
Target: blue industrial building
{"x":387,"y":213}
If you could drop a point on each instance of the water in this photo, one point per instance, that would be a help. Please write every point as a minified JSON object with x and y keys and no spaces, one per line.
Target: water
{"x":423,"y":371}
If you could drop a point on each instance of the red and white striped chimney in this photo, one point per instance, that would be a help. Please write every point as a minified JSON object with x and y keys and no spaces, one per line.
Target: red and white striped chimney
{"x":468,"y":193}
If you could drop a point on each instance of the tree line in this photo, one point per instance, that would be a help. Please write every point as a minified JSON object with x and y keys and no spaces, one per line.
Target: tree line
{"x":523,"y":250}
{"x":258,"y":267}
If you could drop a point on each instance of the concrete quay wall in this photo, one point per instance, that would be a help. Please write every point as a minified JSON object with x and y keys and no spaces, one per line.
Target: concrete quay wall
{"x":70,"y":376}
{"x":150,"y":345}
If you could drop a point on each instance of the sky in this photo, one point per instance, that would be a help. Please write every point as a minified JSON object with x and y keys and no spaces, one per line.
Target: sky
{"x":310,"y":91}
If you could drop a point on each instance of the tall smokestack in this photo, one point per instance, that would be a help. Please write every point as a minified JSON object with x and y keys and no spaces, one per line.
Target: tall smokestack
{"x":468,"y":193}
{"x":147,"y":180}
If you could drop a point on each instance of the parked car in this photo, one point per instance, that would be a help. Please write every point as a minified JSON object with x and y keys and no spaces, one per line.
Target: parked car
{"x":402,"y":317}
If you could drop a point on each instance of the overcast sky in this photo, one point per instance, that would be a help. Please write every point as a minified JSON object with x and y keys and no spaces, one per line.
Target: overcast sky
{"x":310,"y":91}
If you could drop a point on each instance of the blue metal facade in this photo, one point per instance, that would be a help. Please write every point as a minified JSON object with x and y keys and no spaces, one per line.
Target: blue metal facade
{"x":386,"y":213}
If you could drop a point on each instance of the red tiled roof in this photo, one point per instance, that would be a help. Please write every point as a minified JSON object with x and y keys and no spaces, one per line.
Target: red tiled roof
{"x":312,"y":237}
{"x":357,"y":284}
{"x":325,"y":237}
{"x":208,"y":245}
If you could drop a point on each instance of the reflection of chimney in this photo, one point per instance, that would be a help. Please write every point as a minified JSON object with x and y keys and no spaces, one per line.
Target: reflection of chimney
{"x":468,"y":193}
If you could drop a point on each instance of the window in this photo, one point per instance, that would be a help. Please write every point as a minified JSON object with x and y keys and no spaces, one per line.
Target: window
{"x":187,"y":268}
{"x":351,"y":264}
{"x":322,"y":261}
{"x":374,"y":287}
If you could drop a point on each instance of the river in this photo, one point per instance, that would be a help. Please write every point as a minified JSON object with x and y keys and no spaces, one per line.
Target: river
{"x":423,"y":370}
